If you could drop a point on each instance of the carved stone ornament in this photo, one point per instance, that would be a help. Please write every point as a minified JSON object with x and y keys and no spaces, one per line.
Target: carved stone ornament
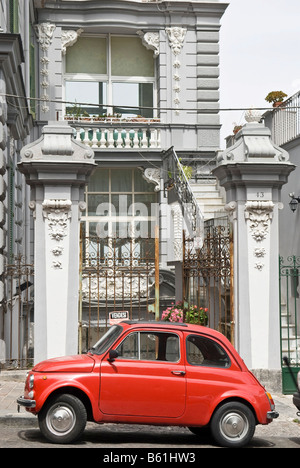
{"x":57,"y":213}
{"x":176,"y":39}
{"x":259,"y":215}
{"x":231,"y":209}
{"x":152,"y":175}
{"x":44,"y":32}
{"x":68,"y":38}
{"x":151,"y":41}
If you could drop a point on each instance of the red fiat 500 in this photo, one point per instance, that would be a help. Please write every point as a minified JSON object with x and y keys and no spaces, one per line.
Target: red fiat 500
{"x":150,"y":373}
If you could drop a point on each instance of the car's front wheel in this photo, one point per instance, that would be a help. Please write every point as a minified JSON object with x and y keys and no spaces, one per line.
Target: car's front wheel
{"x":233,"y":425}
{"x":63,"y":419}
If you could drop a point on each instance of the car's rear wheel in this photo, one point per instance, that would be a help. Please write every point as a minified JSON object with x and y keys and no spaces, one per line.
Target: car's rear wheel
{"x":63,"y":419}
{"x":233,"y":425}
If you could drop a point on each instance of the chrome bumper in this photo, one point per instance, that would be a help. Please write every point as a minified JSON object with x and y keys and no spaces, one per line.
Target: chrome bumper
{"x":272,"y":415}
{"x":25,"y":402}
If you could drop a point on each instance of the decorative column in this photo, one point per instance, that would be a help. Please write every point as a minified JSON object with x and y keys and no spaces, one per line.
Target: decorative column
{"x":176,"y":39}
{"x":253,"y":172}
{"x":57,"y":168}
{"x":44,"y":32}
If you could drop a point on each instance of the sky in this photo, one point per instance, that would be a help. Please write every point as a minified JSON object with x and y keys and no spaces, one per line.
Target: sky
{"x":259,"y":53}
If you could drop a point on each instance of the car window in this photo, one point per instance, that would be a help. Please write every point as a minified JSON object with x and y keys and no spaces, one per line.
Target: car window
{"x":107,"y":339}
{"x":202,"y":351}
{"x":150,"y":346}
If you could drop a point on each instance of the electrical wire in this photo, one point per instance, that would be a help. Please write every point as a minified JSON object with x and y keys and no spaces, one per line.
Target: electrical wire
{"x":183,"y":109}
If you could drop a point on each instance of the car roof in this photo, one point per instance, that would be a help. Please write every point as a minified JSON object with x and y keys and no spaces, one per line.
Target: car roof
{"x":174,"y":325}
{"x":156,"y":322}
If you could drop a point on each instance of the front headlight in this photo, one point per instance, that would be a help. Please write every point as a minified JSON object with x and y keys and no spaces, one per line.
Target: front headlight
{"x":31,"y":381}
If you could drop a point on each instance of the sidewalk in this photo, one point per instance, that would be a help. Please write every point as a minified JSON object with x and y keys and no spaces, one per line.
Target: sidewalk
{"x":12,"y":386}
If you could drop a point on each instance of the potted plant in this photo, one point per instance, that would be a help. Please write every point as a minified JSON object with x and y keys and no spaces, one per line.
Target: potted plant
{"x":275,"y":97}
{"x":237,"y":128}
{"x":184,"y":312}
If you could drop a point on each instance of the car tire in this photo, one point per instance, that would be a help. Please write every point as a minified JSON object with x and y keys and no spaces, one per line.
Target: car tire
{"x":233,"y":425}
{"x":63,"y":419}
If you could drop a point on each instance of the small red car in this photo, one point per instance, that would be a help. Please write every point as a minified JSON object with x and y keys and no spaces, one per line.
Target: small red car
{"x":157,"y":373}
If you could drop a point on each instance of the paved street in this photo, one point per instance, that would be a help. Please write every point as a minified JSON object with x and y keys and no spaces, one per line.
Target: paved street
{"x":128,"y":437}
{"x":20,"y":430}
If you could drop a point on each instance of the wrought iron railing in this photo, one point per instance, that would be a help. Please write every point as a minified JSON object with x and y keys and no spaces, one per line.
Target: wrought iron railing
{"x":208,"y":276}
{"x":175,"y":177}
{"x":286,"y":121}
{"x":116,"y":274}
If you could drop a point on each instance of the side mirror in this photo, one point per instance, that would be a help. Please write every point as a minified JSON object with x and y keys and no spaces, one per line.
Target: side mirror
{"x":113,"y":354}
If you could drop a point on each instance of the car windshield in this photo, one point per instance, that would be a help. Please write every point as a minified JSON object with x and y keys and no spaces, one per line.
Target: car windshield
{"x":107,"y":339}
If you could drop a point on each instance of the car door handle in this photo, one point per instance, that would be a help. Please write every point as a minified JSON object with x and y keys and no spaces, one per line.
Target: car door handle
{"x":178,"y":372}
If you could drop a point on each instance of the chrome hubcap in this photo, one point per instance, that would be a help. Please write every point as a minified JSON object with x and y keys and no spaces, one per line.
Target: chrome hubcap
{"x":61,"y":419}
{"x":234,"y":425}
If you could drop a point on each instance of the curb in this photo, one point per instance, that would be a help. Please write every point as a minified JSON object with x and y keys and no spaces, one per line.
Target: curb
{"x":16,"y":420}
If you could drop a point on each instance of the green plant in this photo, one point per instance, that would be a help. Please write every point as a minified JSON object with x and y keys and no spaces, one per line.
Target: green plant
{"x":75,"y":110}
{"x":184,"y":312}
{"x":275,"y":96}
{"x":187,"y":170}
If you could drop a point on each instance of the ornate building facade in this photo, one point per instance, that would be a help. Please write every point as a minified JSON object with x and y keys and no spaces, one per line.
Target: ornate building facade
{"x":139,"y":85}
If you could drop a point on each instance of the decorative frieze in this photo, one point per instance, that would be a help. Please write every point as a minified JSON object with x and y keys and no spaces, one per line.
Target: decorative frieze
{"x":176,"y":37}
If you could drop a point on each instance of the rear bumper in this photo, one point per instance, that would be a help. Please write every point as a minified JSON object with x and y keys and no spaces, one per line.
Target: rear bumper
{"x":272,"y":415}
{"x":25,"y":402}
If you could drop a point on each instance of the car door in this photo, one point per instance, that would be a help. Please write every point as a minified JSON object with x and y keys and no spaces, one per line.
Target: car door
{"x":147,"y":378}
{"x":210,"y":373}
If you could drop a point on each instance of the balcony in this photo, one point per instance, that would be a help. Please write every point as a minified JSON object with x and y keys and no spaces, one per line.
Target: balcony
{"x":111,"y":133}
{"x":285,"y":120}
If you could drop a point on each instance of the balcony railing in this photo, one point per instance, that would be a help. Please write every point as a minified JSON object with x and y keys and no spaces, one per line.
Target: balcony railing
{"x":286,"y":121}
{"x":118,"y":134}
{"x":175,"y":176}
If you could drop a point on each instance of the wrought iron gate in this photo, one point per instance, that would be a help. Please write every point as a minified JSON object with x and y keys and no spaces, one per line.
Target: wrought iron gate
{"x":117,"y":274}
{"x":17,"y":316}
{"x":289,"y":274}
{"x":208,"y":276}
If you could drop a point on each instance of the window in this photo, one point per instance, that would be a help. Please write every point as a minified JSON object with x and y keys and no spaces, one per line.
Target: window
{"x":150,"y":346}
{"x":120,"y":203}
{"x":202,"y":351}
{"x":114,"y":72}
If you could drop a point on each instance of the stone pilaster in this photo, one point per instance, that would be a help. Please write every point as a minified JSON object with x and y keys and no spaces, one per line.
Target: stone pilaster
{"x":57,"y":168}
{"x":252,"y":172}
